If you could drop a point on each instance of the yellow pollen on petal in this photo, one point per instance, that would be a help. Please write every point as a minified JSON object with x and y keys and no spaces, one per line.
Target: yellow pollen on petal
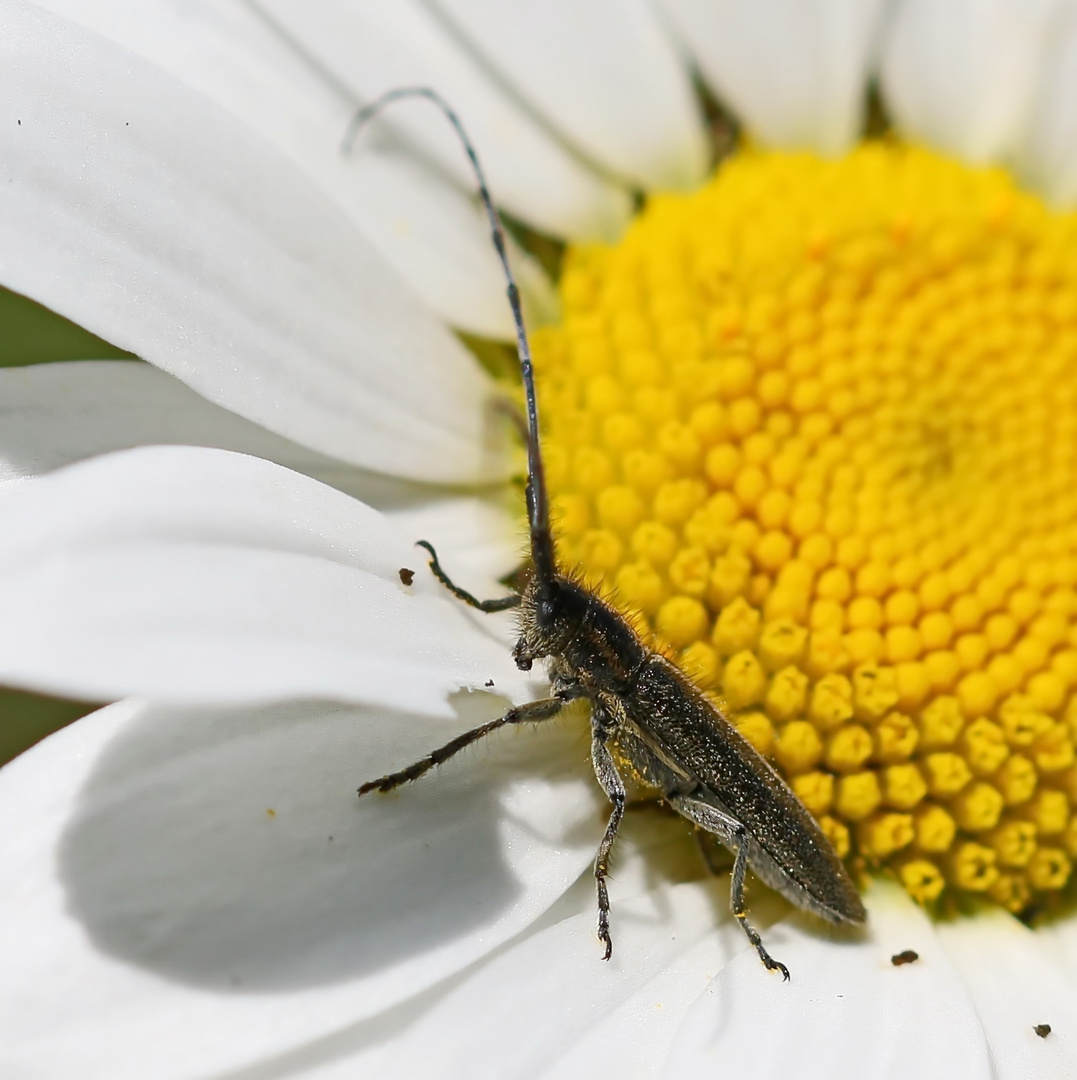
{"x":813,"y":427}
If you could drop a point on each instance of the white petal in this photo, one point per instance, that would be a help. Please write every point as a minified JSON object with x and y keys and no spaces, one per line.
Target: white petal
{"x":960,"y":74}
{"x":430,"y":232}
{"x":156,"y":920}
{"x":56,"y":414}
{"x":1015,"y":985}
{"x":846,"y":1010}
{"x":633,"y":1037}
{"x":568,"y":1011}
{"x":1047,"y":149}
{"x":146,"y":214}
{"x":603,"y":75}
{"x":794,"y":72}
{"x":192,"y":575}
{"x":1059,"y":938}
{"x":548,"y":1005}
{"x":482,"y":540}
{"x":59,"y":413}
{"x":380,"y":45}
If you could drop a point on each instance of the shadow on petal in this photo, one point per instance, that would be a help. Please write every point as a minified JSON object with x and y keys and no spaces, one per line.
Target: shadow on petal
{"x":227,"y":849}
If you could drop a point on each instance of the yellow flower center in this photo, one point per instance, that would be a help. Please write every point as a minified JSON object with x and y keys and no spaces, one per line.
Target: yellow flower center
{"x":815,"y":426}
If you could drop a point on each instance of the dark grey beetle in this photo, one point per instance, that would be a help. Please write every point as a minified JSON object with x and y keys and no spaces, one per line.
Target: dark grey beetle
{"x":645,"y":713}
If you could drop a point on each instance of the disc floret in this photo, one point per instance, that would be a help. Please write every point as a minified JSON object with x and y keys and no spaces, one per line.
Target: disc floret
{"x":816,"y":426}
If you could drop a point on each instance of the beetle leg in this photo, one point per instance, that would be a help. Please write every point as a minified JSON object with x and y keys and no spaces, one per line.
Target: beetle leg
{"x":734,"y":835}
{"x":522,"y":714}
{"x":612,"y":784}
{"x":501,"y":603}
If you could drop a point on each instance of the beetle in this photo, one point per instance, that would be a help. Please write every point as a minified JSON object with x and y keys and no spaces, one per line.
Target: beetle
{"x":647,"y":716}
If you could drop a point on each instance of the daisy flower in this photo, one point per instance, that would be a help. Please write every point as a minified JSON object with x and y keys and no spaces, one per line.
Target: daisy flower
{"x":812,"y":420}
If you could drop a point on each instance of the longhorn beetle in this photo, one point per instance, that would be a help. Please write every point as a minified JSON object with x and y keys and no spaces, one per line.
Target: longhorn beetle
{"x":646,"y":714}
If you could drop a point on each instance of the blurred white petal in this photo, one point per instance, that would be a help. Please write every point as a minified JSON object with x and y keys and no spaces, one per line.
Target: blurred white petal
{"x":960,"y":75}
{"x":1047,"y":148}
{"x":427,"y":229}
{"x":1014,"y":985}
{"x":380,"y":45}
{"x":195,"y":244}
{"x":191,"y":575}
{"x":846,"y":1006}
{"x":602,"y":74}
{"x":794,"y":73}
{"x":157,"y":920}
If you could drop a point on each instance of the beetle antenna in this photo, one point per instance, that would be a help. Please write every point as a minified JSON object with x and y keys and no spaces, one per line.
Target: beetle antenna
{"x":538,"y":510}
